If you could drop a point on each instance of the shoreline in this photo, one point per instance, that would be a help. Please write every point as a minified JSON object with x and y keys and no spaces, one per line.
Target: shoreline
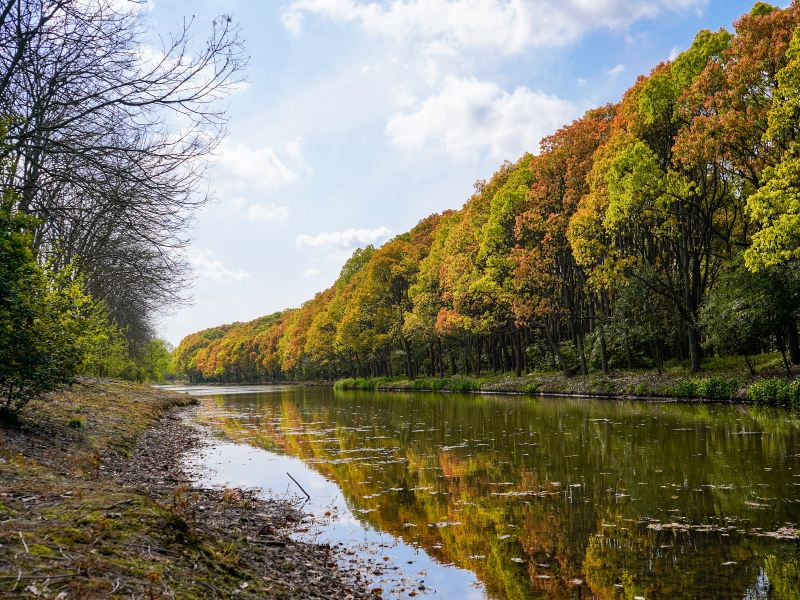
{"x":107,"y":508}
{"x":710,"y":387}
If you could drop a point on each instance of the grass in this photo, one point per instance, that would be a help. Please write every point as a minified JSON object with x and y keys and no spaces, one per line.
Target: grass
{"x":721,"y":379}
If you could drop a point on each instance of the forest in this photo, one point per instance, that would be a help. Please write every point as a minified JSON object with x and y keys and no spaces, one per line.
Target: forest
{"x":663,"y":228}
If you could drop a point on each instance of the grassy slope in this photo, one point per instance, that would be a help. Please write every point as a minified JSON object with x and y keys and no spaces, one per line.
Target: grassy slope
{"x":720,"y":379}
{"x":64,"y":527}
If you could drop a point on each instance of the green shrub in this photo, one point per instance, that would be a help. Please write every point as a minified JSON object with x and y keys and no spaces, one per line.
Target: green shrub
{"x":344,"y":384}
{"x":75,"y":423}
{"x":462,"y":384}
{"x":776,"y":392}
{"x":685,"y":389}
{"x":603,"y":386}
{"x":44,"y":316}
{"x":716,"y":388}
{"x":531,"y":388}
{"x":429,"y":383}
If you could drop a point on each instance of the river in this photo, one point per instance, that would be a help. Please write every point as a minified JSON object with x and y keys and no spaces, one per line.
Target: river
{"x":479,"y":496}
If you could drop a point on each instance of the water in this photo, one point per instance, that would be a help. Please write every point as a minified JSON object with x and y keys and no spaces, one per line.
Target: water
{"x":510,"y":497}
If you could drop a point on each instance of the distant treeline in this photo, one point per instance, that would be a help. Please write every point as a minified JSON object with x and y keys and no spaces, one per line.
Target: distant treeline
{"x":660,"y":228}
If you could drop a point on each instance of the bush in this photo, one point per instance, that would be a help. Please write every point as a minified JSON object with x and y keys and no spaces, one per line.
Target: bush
{"x":717,"y":388}
{"x":44,"y":317}
{"x":603,"y":386}
{"x":685,"y":389}
{"x":531,"y":389}
{"x":712,"y":388}
{"x":776,"y":392}
{"x":344,"y":384}
{"x":462,"y":384}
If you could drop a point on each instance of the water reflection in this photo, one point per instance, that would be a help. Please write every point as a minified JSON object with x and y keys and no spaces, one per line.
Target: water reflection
{"x":557,"y":498}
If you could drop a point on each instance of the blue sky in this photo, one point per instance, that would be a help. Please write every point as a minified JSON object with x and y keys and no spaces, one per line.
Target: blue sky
{"x":361,"y":117}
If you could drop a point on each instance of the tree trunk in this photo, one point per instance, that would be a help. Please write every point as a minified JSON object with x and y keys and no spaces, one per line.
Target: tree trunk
{"x":792,"y":342}
{"x":582,"y":354}
{"x":694,"y":348}
{"x":517,"y":340}
{"x":749,"y":364}
{"x":603,"y":351}
{"x":556,"y":352}
{"x":409,"y":369}
{"x":628,"y":352}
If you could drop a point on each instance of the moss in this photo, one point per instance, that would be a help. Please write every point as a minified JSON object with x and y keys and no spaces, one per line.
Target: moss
{"x":41,"y":550}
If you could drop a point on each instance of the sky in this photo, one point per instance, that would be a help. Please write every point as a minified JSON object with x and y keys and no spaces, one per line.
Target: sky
{"x":361,"y":117}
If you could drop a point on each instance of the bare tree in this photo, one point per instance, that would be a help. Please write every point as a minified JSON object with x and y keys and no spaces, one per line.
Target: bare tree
{"x":109,"y":139}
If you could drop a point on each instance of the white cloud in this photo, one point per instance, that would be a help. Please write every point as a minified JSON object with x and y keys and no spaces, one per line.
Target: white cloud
{"x":243,"y":174}
{"x":267,"y":212}
{"x":508,"y":26}
{"x":673,"y":54}
{"x":616,"y":70}
{"x":469,"y":118}
{"x":347,"y":238}
{"x":311,"y":272}
{"x":132,"y":6}
{"x":294,"y":148}
{"x":208,"y":268}
{"x":254,"y":167}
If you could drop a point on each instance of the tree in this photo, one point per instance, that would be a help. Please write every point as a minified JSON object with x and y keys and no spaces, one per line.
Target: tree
{"x":736,"y":316}
{"x":43,"y":317}
{"x":108,"y":141}
{"x":550,"y":284}
{"x":775,"y":207}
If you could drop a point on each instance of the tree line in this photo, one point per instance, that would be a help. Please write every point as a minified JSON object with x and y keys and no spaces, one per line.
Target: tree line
{"x":106,"y":134}
{"x":663,"y":227}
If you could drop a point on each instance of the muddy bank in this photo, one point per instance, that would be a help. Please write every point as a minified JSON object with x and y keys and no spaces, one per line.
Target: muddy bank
{"x":94,"y":502}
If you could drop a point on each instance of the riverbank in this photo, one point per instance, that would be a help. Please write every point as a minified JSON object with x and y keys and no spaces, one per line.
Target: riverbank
{"x":94,"y":502}
{"x":725,"y":383}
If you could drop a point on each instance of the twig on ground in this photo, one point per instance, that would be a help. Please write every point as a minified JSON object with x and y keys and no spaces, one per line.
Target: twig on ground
{"x":24,"y":543}
{"x":300,"y":486}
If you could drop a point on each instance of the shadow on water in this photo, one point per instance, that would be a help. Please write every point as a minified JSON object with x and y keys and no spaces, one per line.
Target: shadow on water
{"x":545,"y":497}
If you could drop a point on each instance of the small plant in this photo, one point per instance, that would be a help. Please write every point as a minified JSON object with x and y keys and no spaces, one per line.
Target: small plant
{"x":75,"y":423}
{"x":685,"y":389}
{"x":776,"y":392}
{"x":717,"y":388}
{"x":603,"y":386}
{"x":462,"y":384}
{"x":531,"y":389}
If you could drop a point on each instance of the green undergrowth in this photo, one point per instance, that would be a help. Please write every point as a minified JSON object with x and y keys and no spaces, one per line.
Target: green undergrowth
{"x":722,"y":379}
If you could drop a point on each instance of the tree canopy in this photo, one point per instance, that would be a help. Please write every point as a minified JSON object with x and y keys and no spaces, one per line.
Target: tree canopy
{"x":666,"y":226}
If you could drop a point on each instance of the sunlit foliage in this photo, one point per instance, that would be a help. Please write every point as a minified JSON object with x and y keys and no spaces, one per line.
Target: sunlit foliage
{"x":663,"y":228}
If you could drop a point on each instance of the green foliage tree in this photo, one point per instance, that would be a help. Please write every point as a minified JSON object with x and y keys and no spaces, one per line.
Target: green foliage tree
{"x":43,"y":317}
{"x":775,"y":207}
{"x":154,"y":362}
